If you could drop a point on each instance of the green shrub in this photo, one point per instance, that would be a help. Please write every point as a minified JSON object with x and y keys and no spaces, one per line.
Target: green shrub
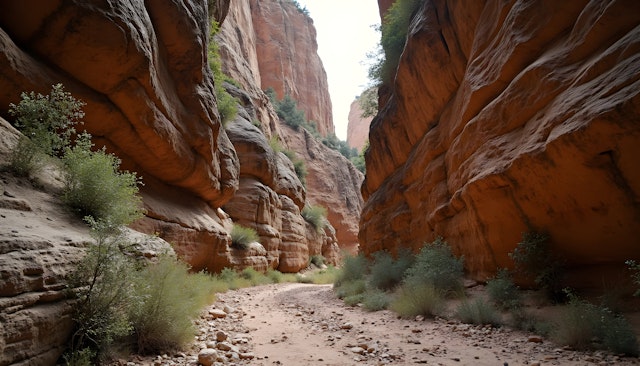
{"x":395,"y":27}
{"x":418,"y":299}
{"x":351,"y":288}
{"x":274,"y":275}
{"x":287,"y":110}
{"x":303,"y":278}
{"x":227,"y":104}
{"x":523,"y":320}
{"x":477,"y":312}
{"x":105,"y":283}
{"x":298,"y":165}
{"x":25,"y":158}
{"x":368,"y":102}
{"x":353,"y":268}
{"x":436,"y":265}
{"x":242,"y":236}
{"x":385,"y":272}
{"x":635,"y":276}
{"x":172,"y":299}
{"x":503,"y":292}
{"x":95,"y":187}
{"x":584,"y":326}
{"x":375,"y":300}
{"x":316,"y":215}
{"x":82,"y":357}
{"x":255,"y":278}
{"x":47,"y":123}
{"x":353,"y":300}
{"x":533,"y":257}
{"x":317,"y":260}
{"x":324,"y":276}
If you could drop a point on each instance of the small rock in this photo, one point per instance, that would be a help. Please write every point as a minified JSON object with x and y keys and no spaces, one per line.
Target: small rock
{"x":207,"y":356}
{"x":223,"y":346}
{"x":247,"y":356}
{"x":228,"y":309}
{"x":346,"y":326}
{"x":217,"y":313}
{"x":358,"y":350}
{"x":535,"y":339}
{"x":221,"y":336}
{"x":534,"y":363}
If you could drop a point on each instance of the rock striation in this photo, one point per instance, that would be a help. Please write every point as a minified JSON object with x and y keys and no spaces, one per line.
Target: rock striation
{"x":506,"y":117}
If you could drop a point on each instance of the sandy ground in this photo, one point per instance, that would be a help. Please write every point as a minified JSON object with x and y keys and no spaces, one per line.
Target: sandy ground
{"x":303,"y":324}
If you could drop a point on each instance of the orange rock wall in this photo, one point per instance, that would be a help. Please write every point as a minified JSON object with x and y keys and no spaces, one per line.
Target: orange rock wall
{"x":288,"y":59}
{"x":508,"y":116}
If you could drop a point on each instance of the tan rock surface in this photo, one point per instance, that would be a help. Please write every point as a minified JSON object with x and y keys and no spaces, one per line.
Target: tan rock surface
{"x":357,"y":127}
{"x":506,"y":117}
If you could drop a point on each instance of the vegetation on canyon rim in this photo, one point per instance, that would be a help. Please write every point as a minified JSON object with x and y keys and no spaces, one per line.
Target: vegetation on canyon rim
{"x":420,"y":286}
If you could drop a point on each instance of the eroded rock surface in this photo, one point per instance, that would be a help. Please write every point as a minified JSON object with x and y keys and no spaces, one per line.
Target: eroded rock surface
{"x":506,"y":117}
{"x":358,"y":126}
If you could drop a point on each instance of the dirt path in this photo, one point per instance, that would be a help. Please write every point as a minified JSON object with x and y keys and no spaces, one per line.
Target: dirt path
{"x":301,"y":324}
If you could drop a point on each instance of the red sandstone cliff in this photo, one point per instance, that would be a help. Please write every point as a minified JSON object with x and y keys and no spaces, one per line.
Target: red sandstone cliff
{"x":358,"y":126}
{"x":288,"y":59}
{"x":508,"y":116}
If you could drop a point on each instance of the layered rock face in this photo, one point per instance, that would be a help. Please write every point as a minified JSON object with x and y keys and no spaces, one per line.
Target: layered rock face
{"x":357,"y":127}
{"x":141,"y":69}
{"x":289,"y":62}
{"x":507,"y":117}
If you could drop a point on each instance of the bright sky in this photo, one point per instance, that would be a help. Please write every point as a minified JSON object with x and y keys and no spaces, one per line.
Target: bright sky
{"x":345,"y":36}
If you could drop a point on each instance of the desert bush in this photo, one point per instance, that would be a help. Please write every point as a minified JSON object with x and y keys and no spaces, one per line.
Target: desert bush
{"x":635,"y":274}
{"x":503,"y":292}
{"x":436,"y":265}
{"x":105,"y":283}
{"x":583,"y":325}
{"x":47,"y":123}
{"x":387,"y":272}
{"x":95,"y":187}
{"x":395,"y":27}
{"x":325,"y":276}
{"x":316,"y":215}
{"x":523,"y":320}
{"x":255,"y":278}
{"x":242,"y":236}
{"x":317,"y":260}
{"x":172,"y":298}
{"x":351,"y":288}
{"x":418,"y":299}
{"x":477,"y":312}
{"x":533,"y":257}
{"x":354,"y":268}
{"x":227,"y":104}
{"x":274,"y":275}
{"x":368,"y":102}
{"x":375,"y":300}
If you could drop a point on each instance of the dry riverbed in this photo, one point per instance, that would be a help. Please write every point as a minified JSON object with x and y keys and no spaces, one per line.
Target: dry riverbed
{"x":303,"y":324}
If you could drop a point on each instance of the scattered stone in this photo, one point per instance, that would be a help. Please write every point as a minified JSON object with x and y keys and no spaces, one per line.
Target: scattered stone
{"x":247,"y":356}
{"x":221,"y":336}
{"x":535,"y":339}
{"x":358,"y":350}
{"x":223,"y":346}
{"x":346,"y":326}
{"x":217,"y":313}
{"x":207,"y":356}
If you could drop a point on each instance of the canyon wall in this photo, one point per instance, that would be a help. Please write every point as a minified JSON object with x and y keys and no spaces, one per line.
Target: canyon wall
{"x":357,"y":127}
{"x":506,"y":117}
{"x":332,"y":180}
{"x":288,"y":59}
